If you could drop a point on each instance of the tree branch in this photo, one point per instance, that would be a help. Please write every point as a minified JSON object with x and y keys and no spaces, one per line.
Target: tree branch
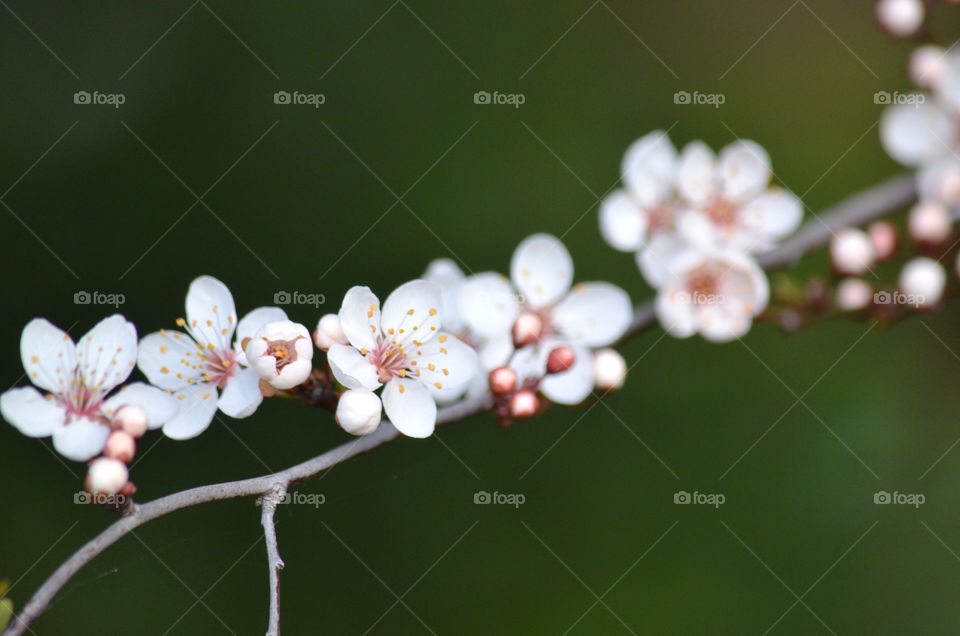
{"x":858,"y":209}
{"x":268,"y":505}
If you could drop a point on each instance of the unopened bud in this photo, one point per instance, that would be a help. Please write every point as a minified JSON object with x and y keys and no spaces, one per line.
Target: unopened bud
{"x":883,"y":235}
{"x":901,"y":18}
{"x":524,"y":403}
{"x":120,"y":445}
{"x":609,"y":370}
{"x":560,"y":359}
{"x":853,"y":294}
{"x":106,"y":475}
{"x":358,"y":412}
{"x":503,"y":381}
{"x":927,"y":65}
{"x":923,"y":280}
{"x":329,"y":332}
{"x":528,"y":329}
{"x":929,"y":222}
{"x":852,"y":252}
{"x":132,"y":419}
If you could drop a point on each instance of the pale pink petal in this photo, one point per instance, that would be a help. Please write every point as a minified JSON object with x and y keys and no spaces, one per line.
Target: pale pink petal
{"x":410,"y":407}
{"x":542,"y":270}
{"x":48,"y":354}
{"x":32,"y":413}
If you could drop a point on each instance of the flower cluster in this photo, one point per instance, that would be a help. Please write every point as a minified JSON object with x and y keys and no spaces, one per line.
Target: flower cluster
{"x":695,"y":221}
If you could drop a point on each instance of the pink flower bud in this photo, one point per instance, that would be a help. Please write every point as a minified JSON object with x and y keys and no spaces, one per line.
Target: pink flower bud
{"x":524,"y":403}
{"x":560,"y":359}
{"x":120,"y":445}
{"x":853,"y":294}
{"x":528,"y":329}
{"x":132,"y":419}
{"x":883,"y":235}
{"x":503,"y":381}
{"x":852,"y":252}
{"x":929,"y":222}
{"x":901,"y":18}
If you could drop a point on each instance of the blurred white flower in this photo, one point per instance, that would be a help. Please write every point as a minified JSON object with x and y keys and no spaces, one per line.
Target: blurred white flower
{"x":901,"y":18}
{"x":200,"y":367}
{"x":927,"y":65}
{"x":929,"y":222}
{"x":281,"y":353}
{"x":851,"y":251}
{"x":76,"y":410}
{"x":404,"y":350}
{"x":923,"y":280}
{"x":715,"y":293}
{"x":853,"y":294}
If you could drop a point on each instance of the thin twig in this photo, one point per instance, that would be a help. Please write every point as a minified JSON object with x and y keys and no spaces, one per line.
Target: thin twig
{"x":858,"y":209}
{"x":268,"y":505}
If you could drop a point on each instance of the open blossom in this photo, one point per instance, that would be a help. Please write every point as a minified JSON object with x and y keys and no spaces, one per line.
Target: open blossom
{"x":539,"y":307}
{"x":78,"y":378}
{"x":714,"y":293}
{"x":642,"y":216}
{"x":201,"y":367}
{"x":401,"y":348}
{"x":729,"y":200}
{"x":281,"y":353}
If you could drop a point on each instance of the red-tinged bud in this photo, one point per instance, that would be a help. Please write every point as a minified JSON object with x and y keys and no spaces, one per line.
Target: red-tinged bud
{"x":524,"y":404}
{"x":560,"y":359}
{"x":884,"y":236}
{"x":132,"y":419}
{"x":503,"y":381}
{"x":527,"y":330}
{"x":120,"y":445}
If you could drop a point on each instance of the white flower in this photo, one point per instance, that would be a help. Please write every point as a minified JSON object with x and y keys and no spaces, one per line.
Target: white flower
{"x":358,"y":411}
{"x":201,"y":367}
{"x":901,"y":18}
{"x":853,"y":294}
{"x":448,"y":276}
{"x":730,"y":202}
{"x":714,"y":293}
{"x":281,"y":353}
{"x":927,"y":65}
{"x":641,"y":218}
{"x":939,"y":180}
{"x":923,"y":280}
{"x":610,"y":369}
{"x":328,"y":332}
{"x":78,"y":378}
{"x":541,"y":301}
{"x":851,"y":251}
{"x":916,"y":134}
{"x":403,"y":349}
{"x":929,"y":222}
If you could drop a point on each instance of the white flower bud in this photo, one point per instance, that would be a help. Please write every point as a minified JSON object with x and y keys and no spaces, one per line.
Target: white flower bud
{"x":853,"y":294}
{"x":929,"y":222}
{"x":282,"y":354}
{"x":900,"y":17}
{"x":107,"y":476}
{"x":329,"y":332}
{"x":524,"y":404}
{"x":923,"y":280}
{"x":852,"y":251}
{"x":927,"y":65}
{"x":358,"y":412}
{"x":120,"y":445}
{"x":609,"y":370}
{"x":132,"y":419}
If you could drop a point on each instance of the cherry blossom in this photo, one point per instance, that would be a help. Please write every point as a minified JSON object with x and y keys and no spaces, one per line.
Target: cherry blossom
{"x":199,"y":366}
{"x":76,"y":411}
{"x":281,"y":353}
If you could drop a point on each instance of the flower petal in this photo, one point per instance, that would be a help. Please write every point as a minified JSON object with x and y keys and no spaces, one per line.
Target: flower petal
{"x":165,"y":358}
{"x":573,"y":385}
{"x":448,"y":275}
{"x":32,"y":413}
{"x":351,"y":368}
{"x":770,"y":217}
{"x":593,"y":314}
{"x":48,"y":354}
{"x":250,"y":324}
{"x":445,"y":365}
{"x":198,"y":403}
{"x":698,"y":176}
{"x":412,"y":312}
{"x":649,"y":163}
{"x":360,"y":317}
{"x":107,"y":353}
{"x":488,"y":304}
{"x":622,"y":223}
{"x":241,"y":396}
{"x":495,"y":352}
{"x":159,"y":405}
{"x":744,"y":170}
{"x":541,"y":270}
{"x":410,"y":407}
{"x":211,"y":313}
{"x":914,"y":135}
{"x":81,"y":439}
{"x":654,"y":259}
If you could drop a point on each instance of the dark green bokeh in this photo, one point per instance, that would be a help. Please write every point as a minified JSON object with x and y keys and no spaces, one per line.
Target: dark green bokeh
{"x":302,"y":212}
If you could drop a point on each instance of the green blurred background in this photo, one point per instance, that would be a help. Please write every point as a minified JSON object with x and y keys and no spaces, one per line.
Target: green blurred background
{"x":303,"y":209}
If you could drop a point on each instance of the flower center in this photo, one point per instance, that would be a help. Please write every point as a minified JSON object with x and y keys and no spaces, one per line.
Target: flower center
{"x":283,"y":351}
{"x":659,"y":219}
{"x":723,"y":213}
{"x":390,"y":360}
{"x":703,"y":285}
{"x":219,"y":366}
